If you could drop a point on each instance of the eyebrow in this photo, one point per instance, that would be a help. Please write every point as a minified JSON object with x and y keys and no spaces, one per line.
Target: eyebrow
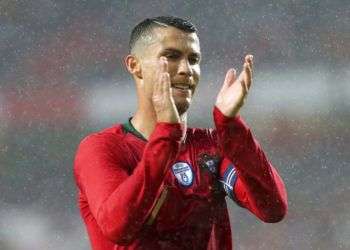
{"x":180,"y":52}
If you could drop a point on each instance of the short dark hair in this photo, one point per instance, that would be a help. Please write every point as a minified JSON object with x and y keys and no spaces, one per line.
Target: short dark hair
{"x":149,"y":24}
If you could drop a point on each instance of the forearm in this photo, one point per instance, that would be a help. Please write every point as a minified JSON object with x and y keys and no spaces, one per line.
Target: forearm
{"x":121,"y":204}
{"x":259,"y":188}
{"x":265,"y":197}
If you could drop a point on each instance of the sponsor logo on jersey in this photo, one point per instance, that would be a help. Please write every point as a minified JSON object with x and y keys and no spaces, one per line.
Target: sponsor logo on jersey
{"x":183,"y":173}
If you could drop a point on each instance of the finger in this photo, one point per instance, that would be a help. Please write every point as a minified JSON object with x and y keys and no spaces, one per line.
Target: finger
{"x":170,"y":89}
{"x":159,"y":70}
{"x":247,"y":75}
{"x":249,"y":59}
{"x":229,"y":78}
{"x":241,"y":75}
{"x":163,"y":64}
{"x":166,"y":84}
{"x":244,"y":87}
{"x":157,"y":85}
{"x":251,"y":63}
{"x":167,"y":88}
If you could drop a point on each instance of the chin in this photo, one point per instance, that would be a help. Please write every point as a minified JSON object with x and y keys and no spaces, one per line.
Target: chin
{"x":182,"y":107}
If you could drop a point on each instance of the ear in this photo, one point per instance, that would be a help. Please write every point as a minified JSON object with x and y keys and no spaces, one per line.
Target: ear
{"x":133,"y":65}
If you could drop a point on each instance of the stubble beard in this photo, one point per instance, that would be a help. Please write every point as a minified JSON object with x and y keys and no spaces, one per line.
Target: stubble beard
{"x":182,"y":106}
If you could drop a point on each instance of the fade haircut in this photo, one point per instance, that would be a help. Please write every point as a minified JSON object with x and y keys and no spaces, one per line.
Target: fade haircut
{"x":145,"y":28}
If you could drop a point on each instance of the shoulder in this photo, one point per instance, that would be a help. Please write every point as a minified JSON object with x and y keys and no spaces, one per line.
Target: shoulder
{"x":100,"y":152}
{"x":107,"y":139}
{"x":105,"y":146}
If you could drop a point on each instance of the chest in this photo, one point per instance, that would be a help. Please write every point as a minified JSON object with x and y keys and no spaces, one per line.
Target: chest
{"x":193,"y":174}
{"x":191,"y":192}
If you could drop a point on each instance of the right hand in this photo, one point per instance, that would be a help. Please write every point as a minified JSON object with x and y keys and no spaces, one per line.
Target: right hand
{"x":163,"y":101}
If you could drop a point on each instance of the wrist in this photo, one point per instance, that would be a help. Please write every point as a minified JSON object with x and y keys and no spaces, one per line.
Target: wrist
{"x":229,"y":113}
{"x":167,"y":119}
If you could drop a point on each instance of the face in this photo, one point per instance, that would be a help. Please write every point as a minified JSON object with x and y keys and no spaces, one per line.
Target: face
{"x":183,"y":54}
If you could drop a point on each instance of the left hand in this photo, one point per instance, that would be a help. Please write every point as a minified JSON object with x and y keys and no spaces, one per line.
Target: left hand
{"x":234,"y":90}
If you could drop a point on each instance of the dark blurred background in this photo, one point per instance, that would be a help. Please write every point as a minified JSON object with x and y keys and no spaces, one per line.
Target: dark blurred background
{"x":62,"y":77}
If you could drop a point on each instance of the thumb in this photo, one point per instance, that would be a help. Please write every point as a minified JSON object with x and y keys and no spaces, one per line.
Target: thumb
{"x":229,"y":78}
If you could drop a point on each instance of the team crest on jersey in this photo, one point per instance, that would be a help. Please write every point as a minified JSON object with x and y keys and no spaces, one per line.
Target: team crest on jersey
{"x":183,"y":173}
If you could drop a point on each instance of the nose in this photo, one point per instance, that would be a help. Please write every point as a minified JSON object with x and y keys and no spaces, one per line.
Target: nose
{"x":185,"y":68}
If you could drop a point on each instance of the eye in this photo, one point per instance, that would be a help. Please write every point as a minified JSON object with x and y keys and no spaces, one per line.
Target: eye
{"x":172,"y":56}
{"x":194,"y":60}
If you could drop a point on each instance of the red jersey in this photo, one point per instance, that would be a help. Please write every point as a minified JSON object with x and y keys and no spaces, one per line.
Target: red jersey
{"x":165,"y":193}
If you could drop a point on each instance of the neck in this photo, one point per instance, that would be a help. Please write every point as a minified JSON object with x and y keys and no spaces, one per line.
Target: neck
{"x":145,"y":120}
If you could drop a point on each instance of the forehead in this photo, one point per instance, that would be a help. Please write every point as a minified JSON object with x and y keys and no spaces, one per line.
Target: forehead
{"x":171,"y":37}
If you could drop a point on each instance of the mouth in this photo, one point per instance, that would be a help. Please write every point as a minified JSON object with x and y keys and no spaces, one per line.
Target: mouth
{"x":181,"y":86}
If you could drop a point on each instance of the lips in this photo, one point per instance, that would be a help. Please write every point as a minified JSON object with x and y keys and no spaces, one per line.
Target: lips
{"x":181,"y":91}
{"x":181,"y":86}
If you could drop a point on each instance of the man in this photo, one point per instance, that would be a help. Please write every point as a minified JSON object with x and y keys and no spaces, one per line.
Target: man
{"x":153,"y":183}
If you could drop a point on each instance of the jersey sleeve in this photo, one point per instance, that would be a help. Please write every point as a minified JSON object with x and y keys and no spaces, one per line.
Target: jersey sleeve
{"x":119,"y":201}
{"x":246,"y":174}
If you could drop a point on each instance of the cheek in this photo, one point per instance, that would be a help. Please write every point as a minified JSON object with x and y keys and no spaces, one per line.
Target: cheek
{"x":172,"y":69}
{"x":148,"y":70}
{"x":196,"y":74}
{"x":149,"y":74}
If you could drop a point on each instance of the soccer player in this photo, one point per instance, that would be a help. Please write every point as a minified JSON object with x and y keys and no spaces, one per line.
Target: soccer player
{"x":154,"y":183}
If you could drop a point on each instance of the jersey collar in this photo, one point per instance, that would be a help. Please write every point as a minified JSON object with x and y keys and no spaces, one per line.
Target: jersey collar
{"x":129,"y":128}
